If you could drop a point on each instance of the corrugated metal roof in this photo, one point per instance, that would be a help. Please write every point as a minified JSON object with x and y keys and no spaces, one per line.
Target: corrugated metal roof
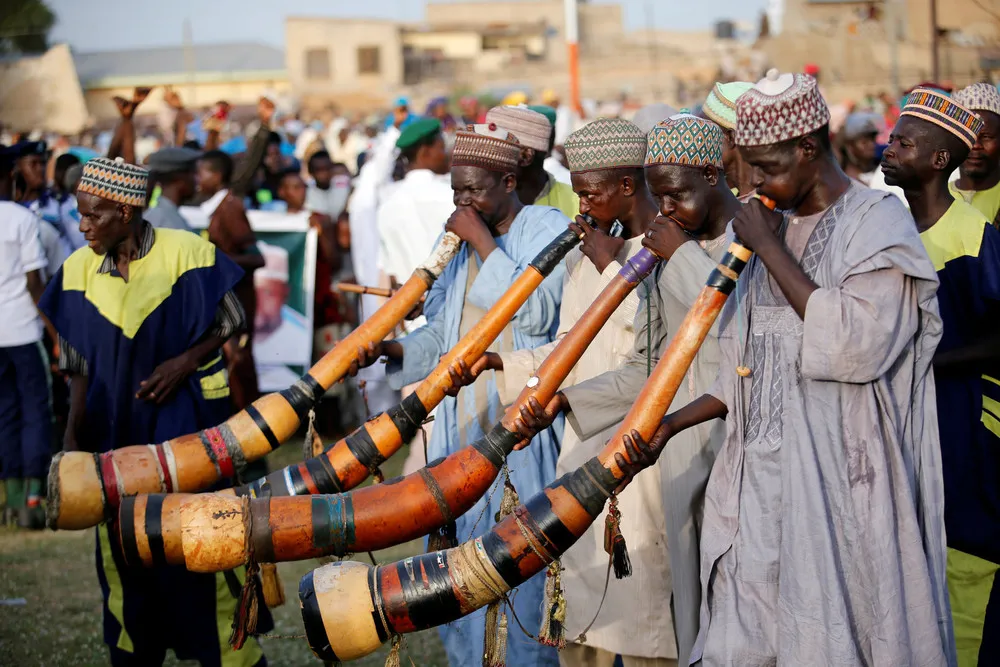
{"x":235,"y":57}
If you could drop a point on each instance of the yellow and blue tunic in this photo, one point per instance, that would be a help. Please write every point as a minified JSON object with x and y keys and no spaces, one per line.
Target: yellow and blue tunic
{"x":560,"y":196}
{"x":116,"y":332}
{"x":986,"y":202}
{"x":965,"y":249}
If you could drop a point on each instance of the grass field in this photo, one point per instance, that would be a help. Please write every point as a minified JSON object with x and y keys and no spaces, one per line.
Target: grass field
{"x":60,"y":624}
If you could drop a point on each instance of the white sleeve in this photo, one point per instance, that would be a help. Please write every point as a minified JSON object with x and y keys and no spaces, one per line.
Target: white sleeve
{"x":32,"y":253}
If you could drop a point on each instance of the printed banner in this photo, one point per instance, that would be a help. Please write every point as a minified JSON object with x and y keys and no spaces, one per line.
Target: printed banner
{"x":283,"y":325}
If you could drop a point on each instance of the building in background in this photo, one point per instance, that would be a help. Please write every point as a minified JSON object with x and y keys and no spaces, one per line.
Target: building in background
{"x":854,"y":46}
{"x":496,"y":46}
{"x":202,"y":74}
{"x":42,"y":92}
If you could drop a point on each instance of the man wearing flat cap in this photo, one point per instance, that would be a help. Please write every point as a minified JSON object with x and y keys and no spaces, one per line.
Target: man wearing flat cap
{"x":141,"y":316}
{"x":173,"y":170}
{"x":979,"y":175}
{"x":823,"y":537}
{"x":501,"y":237}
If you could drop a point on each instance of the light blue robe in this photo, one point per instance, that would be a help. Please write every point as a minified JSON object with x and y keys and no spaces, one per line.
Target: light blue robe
{"x":532,"y":468}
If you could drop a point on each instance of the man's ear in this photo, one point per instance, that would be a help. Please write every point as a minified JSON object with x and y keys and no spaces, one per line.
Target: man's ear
{"x":809,"y":147}
{"x":127,"y":211}
{"x":942,"y":158}
{"x":711,"y":174}
{"x":510,"y":182}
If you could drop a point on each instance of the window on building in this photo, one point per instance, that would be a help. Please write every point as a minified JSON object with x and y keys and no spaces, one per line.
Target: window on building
{"x":368,"y":60}
{"x":317,"y":64}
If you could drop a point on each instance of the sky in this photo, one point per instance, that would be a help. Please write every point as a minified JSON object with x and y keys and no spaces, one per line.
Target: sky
{"x":105,"y":25}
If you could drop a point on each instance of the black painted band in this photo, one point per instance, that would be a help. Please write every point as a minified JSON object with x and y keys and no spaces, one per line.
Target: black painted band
{"x":408,"y":415}
{"x":126,"y":530}
{"x":299,"y":487}
{"x":264,"y":427}
{"x":360,"y":444}
{"x":581,"y":485}
{"x":435,"y":490}
{"x":427,"y":589}
{"x":497,"y":444}
{"x":312,"y":619}
{"x":154,"y":528}
{"x":302,"y":395}
{"x":323,"y":475}
{"x":498,"y":552}
{"x":554,"y":252}
{"x":720,"y":281}
{"x":548,"y":526}
{"x":731,"y":261}
{"x":260,"y":530}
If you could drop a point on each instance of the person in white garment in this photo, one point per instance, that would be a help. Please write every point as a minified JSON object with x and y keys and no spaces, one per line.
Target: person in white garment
{"x":412,"y":217}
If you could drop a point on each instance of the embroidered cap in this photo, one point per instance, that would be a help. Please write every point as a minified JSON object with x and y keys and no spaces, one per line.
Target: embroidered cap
{"x":720,"y":105}
{"x":532,"y":129}
{"x":115,"y":180}
{"x":686,"y":140}
{"x":607,"y":143}
{"x":780,"y":107}
{"x":943,"y":111}
{"x":980,"y":97}
{"x":486,"y":146}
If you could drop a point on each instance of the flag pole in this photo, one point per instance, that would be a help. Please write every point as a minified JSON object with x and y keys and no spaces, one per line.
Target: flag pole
{"x":573,"y":53}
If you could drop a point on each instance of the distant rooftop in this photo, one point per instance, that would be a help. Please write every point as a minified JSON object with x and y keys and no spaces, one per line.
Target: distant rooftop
{"x":155,"y":64}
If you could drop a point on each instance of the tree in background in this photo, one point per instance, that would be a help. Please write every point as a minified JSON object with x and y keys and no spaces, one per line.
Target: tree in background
{"x":25,"y":26}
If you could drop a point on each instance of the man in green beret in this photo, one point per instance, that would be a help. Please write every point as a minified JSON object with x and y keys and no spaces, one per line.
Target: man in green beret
{"x":412,"y":216}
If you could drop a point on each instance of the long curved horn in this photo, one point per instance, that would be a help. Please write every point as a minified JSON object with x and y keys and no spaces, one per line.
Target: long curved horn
{"x":85,"y":489}
{"x":350,"y":609}
{"x":211,"y":534}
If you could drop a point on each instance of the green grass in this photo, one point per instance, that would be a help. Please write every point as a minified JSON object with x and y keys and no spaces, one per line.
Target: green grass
{"x":61,"y":622}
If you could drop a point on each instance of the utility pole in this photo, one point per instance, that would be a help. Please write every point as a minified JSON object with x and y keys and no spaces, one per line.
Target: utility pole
{"x":935,"y":64}
{"x":573,"y":53}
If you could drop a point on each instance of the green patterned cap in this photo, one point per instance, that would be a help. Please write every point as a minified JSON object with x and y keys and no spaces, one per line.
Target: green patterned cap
{"x":686,"y":140}
{"x":607,"y":143}
{"x":720,"y":105}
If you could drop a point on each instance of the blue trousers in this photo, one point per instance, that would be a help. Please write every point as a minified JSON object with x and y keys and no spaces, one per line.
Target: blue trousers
{"x":25,"y":412}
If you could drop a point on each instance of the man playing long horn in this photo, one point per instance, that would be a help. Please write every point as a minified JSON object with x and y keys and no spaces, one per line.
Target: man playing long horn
{"x":823,"y":536}
{"x":684,"y":173}
{"x":141,"y":315}
{"x":605,"y":159}
{"x":501,"y":237}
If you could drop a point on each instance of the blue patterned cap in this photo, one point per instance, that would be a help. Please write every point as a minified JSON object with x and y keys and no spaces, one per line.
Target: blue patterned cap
{"x":685,"y":140}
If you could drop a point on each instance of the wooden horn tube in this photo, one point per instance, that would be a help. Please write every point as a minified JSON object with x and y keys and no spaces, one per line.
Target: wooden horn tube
{"x":376,"y":517}
{"x":435,"y":588}
{"x":85,"y":489}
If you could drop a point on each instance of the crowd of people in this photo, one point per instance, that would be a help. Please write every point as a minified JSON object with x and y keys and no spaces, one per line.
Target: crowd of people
{"x":827,"y":485}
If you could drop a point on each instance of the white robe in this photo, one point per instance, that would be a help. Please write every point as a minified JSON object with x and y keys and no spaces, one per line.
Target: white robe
{"x":635,"y":618}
